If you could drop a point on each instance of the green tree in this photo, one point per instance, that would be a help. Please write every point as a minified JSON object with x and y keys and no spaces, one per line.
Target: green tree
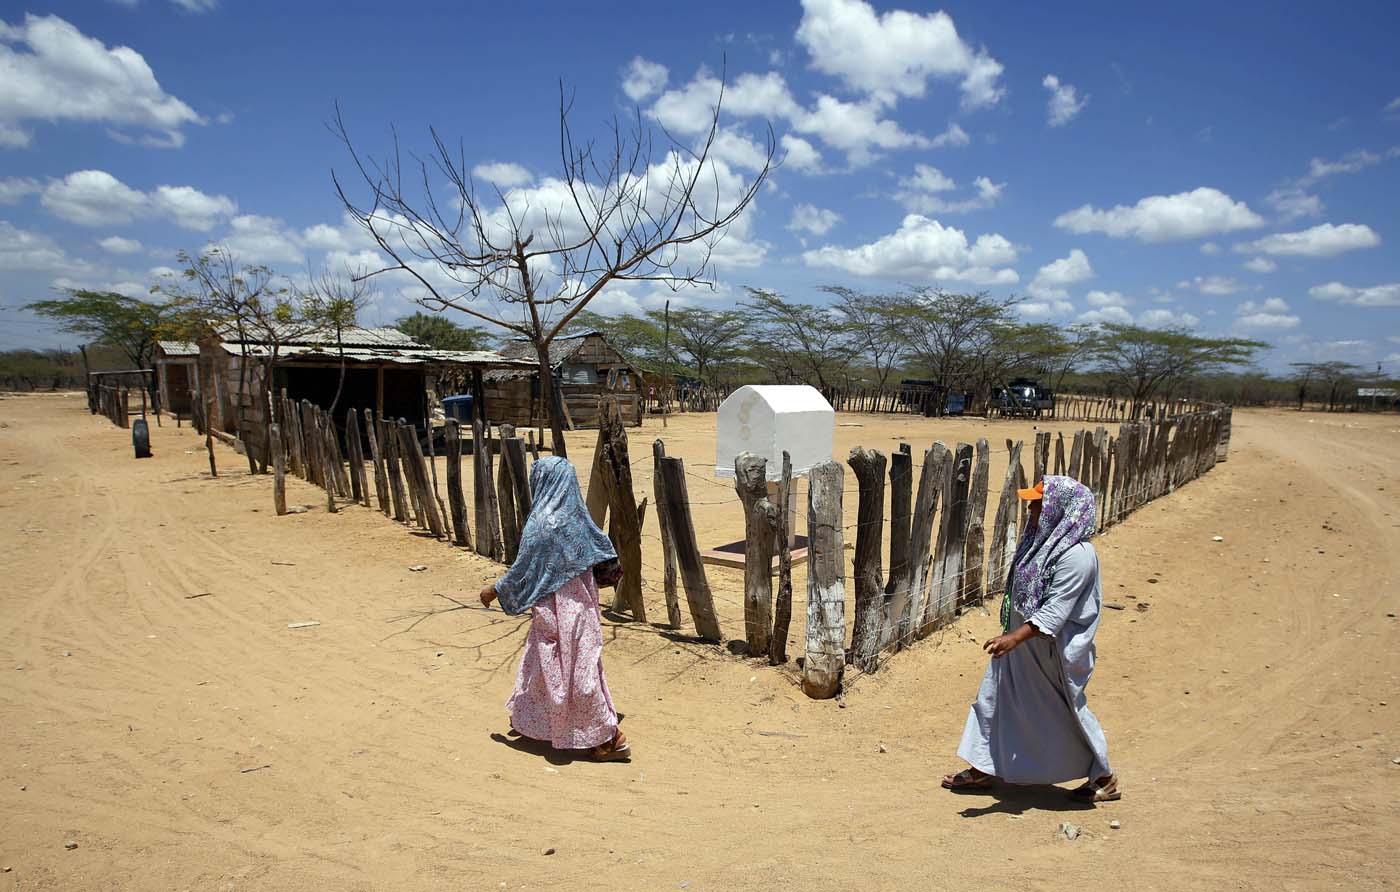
{"x":705,"y":337}
{"x":129,"y":324}
{"x":1332,"y":377}
{"x":796,"y":341}
{"x":1148,"y":362}
{"x":437,"y":331}
{"x":877,"y":329}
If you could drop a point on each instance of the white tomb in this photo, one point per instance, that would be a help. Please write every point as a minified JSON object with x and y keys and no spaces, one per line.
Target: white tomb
{"x":767,"y":419}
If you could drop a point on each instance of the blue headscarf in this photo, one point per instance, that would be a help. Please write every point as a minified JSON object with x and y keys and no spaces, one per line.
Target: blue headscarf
{"x":560,"y":540}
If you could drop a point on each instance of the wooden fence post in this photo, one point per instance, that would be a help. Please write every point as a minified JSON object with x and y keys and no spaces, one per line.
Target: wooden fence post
{"x":1004,"y":526}
{"x":624,"y":525}
{"x":381,"y":481}
{"x":390,"y":445}
{"x":760,"y":523}
{"x":697,"y":587}
{"x":312,"y":443}
{"x":461,"y":533}
{"x":826,"y":589}
{"x":1042,"y":455}
{"x":511,"y":520}
{"x":1076,"y":457}
{"x":869,"y":467}
{"x":937,"y":465}
{"x":488,"y":518}
{"x":782,"y":607}
{"x":359,"y":487}
{"x":279,"y":471}
{"x":668,"y":548}
{"x":323,"y":461}
{"x":419,"y":472}
{"x":976,"y":537}
{"x":1060,"y":453}
{"x":901,"y":509}
{"x":952,"y":543}
{"x":513,"y":453}
{"x":597,"y":497}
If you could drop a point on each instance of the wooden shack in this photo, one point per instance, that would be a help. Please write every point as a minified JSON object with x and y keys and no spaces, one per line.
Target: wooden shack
{"x":586,"y":369}
{"x":174,"y":365}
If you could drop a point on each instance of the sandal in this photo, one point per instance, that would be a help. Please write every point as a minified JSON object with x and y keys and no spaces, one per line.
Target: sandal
{"x":615,"y":750}
{"x":968,"y":779}
{"x":1105,"y":789}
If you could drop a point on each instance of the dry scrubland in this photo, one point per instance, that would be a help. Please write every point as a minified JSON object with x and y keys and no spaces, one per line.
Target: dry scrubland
{"x":1246,"y":707}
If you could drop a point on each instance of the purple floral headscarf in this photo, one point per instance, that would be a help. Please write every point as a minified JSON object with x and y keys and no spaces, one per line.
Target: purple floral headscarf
{"x":1067,"y":517}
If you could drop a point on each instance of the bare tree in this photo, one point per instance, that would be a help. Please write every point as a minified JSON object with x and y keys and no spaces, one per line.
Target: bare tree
{"x":335,"y":301}
{"x":529,"y":260}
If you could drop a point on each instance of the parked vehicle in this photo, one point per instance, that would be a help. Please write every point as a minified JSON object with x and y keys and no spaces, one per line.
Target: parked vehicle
{"x":1023,"y":397}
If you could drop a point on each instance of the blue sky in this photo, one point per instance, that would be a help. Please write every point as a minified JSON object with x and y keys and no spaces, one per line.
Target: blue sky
{"x":1234,"y":168}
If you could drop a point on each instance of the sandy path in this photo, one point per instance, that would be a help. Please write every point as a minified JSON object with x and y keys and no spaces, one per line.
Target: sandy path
{"x":1244,"y":708}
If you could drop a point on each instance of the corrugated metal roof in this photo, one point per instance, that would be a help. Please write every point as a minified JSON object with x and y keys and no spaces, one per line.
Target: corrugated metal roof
{"x":489,"y":359}
{"x":352,"y":337}
{"x":178,"y":348}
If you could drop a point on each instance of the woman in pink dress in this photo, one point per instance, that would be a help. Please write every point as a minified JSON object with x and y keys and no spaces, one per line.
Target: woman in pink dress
{"x":560,"y":694}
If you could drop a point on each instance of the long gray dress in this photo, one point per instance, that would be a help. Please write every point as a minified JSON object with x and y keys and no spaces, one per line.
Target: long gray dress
{"x":1031,"y":723}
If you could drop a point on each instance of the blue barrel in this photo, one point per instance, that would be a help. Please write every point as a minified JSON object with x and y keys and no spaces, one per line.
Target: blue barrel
{"x":141,"y":438}
{"x":458,"y":407}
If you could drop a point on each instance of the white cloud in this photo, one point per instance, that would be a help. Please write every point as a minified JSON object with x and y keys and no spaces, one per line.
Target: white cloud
{"x":687,"y":110}
{"x":196,"y":6}
{"x":54,"y":72}
{"x":739,"y":150}
{"x":1352,"y":162}
{"x":1322,"y":240}
{"x":1260,"y":265}
{"x":1053,"y":279}
{"x":12,"y":189}
{"x":1045,"y":309}
{"x":1210,"y":249}
{"x":1157,"y":218}
{"x":953,"y":136}
{"x":1292,"y":202}
{"x":925,"y":249}
{"x":93,"y":198}
{"x":96,"y":198}
{"x":920,"y":193}
{"x":1273,"y":313}
{"x":855,"y":128}
{"x":1102,"y":299}
{"x":1393,"y":106}
{"x":503,"y":174}
{"x":1164,"y":318}
{"x":1064,"y":102}
{"x":1110,"y":313}
{"x":1218,"y":285}
{"x":1387,"y":295}
{"x":25,"y":251}
{"x":255,"y":239}
{"x":644,"y":78}
{"x":115,"y":244}
{"x":894,"y":54}
{"x":190,"y":208}
{"x":809,"y":218}
{"x":800,"y":155}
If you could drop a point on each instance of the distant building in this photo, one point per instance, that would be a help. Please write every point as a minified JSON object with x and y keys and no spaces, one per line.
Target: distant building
{"x":586,"y":367}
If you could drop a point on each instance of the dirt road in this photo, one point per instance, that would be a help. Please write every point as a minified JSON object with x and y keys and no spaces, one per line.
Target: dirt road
{"x":158,"y":712}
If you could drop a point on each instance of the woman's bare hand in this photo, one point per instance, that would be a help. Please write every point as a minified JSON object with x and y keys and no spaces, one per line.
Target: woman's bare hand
{"x":1001,"y":645}
{"x":488,"y":595}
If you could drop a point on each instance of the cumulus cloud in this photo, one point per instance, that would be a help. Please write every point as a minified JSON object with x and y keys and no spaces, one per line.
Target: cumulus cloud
{"x":503,"y":174}
{"x":1053,"y":279}
{"x":1387,"y":295}
{"x":895,"y":54}
{"x":1111,"y":313}
{"x":1101,"y":299}
{"x":54,"y":72}
{"x":809,"y":218}
{"x":1323,"y":240}
{"x":1273,"y":313}
{"x":925,"y":249}
{"x":644,"y":78}
{"x":22,"y":250}
{"x":1210,"y":248}
{"x":1164,"y":318}
{"x":1218,"y":285}
{"x":1064,"y":103}
{"x":1292,"y":202}
{"x":1045,"y":309}
{"x":1158,"y":218}
{"x":196,"y":6}
{"x":96,"y":198}
{"x":257,"y":239}
{"x":800,"y":155}
{"x":1260,"y":265}
{"x":922,"y":193}
{"x":12,"y":189}
{"x":739,"y":150}
{"x":953,"y":136}
{"x":115,"y":244}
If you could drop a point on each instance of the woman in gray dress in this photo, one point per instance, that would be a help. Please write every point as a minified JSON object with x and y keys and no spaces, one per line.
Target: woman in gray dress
{"x":1031,"y":723}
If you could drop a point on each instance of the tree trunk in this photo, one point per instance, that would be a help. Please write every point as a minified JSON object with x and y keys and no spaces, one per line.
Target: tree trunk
{"x":552,"y":400}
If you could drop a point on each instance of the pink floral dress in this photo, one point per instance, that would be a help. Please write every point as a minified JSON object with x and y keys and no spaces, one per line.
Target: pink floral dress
{"x":560,"y":693}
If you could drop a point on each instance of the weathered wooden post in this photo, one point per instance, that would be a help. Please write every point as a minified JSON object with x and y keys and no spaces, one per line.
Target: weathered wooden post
{"x":624,"y":524}
{"x":952,"y":543}
{"x":869,"y":467}
{"x":1004,"y":526}
{"x":419,"y":468}
{"x":488,"y":517}
{"x":312,"y":442}
{"x":389,"y":443}
{"x":511,"y":521}
{"x":975,"y":536}
{"x":279,"y":471}
{"x":457,"y":503}
{"x":323,"y":461}
{"x":782,"y":607}
{"x":1042,"y":454}
{"x":1076,"y":457}
{"x":1060,"y":453}
{"x":513,"y":453}
{"x":359,"y":489}
{"x":668,"y":548}
{"x":381,"y":480}
{"x":760,"y":523}
{"x":697,"y":586}
{"x":932,"y":482}
{"x":901,"y":510}
{"x":826,"y":589}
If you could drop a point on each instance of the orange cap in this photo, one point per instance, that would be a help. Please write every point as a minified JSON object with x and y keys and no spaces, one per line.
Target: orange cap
{"x":1034,"y":493}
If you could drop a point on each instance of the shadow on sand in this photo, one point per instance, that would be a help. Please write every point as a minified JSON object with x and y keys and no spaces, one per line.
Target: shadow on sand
{"x":1006,"y":799}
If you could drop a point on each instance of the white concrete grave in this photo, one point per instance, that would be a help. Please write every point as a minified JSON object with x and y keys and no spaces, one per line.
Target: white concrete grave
{"x":768,"y":419}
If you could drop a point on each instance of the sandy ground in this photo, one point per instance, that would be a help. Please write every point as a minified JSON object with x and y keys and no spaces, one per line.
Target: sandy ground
{"x":199,"y":743}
